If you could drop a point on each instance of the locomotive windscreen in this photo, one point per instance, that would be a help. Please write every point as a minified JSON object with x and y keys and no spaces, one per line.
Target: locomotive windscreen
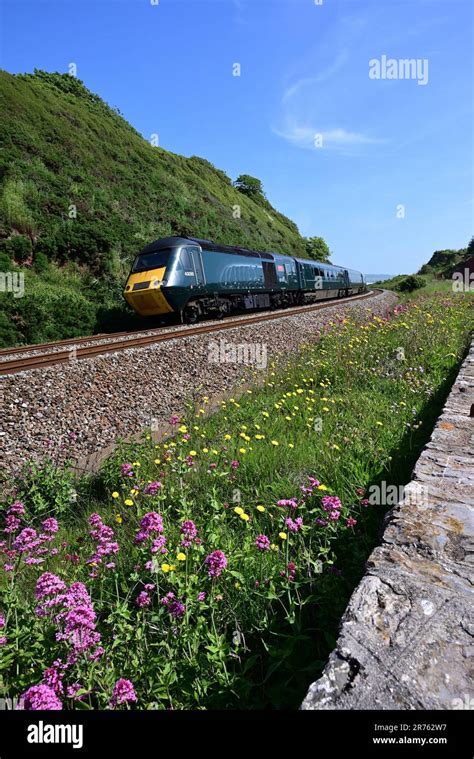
{"x":155,"y":260}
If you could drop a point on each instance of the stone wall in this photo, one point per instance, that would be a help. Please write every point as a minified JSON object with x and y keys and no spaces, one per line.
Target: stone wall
{"x":407,"y":636}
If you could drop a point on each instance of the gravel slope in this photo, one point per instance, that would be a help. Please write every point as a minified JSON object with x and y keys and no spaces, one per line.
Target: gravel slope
{"x":80,"y":408}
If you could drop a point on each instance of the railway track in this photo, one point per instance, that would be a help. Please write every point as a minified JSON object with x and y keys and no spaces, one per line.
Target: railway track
{"x":73,"y":351}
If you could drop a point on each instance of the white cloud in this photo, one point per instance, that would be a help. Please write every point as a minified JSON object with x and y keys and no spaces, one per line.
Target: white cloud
{"x":304,"y":136}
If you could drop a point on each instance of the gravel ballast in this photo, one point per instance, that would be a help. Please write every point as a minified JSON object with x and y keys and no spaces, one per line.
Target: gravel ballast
{"x":80,"y":408}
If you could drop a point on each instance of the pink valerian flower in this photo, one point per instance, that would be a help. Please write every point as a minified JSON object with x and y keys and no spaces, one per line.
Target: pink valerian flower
{"x":103,"y":535}
{"x":351,"y":522}
{"x":12,"y":524}
{"x":334,"y":515}
{"x":150,"y":523}
{"x":321,"y":522}
{"x":288,"y":503}
{"x":234,"y":464}
{"x":331,"y":503}
{"x":262,"y":543}
{"x":3,"y":640}
{"x":40,"y":698}
{"x":313,"y":482}
{"x":8,"y":567}
{"x":216,"y":562}
{"x":127,"y":470}
{"x":294,"y":526}
{"x":143,"y":599}
{"x":26,"y":541}
{"x":95,"y":655}
{"x":360,"y":491}
{"x":189,"y":461}
{"x":16,"y":508}
{"x":123,"y":693}
{"x":159,"y":545}
{"x":189,"y":532}
{"x":48,"y":584}
{"x":291,"y":570}
{"x":53,"y":676}
{"x":152,"y":488}
{"x":175,"y":607}
{"x":50,"y":525}
{"x":73,"y":689}
{"x":174,"y":420}
{"x":201,"y":596}
{"x":364,"y":502}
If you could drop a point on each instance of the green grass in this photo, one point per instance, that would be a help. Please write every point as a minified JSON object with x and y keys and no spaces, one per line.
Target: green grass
{"x":353,"y":411}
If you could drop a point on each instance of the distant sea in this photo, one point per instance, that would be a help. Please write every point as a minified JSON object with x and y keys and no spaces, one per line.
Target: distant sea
{"x":370,"y":278}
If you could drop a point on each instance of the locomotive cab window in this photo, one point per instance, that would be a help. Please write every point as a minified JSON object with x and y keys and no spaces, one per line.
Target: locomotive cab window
{"x":155,"y":260}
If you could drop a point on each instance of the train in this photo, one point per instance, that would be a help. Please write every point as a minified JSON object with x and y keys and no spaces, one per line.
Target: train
{"x":193,"y":278}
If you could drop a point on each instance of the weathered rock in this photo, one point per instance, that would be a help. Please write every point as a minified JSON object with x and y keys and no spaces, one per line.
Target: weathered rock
{"x":407,"y":636}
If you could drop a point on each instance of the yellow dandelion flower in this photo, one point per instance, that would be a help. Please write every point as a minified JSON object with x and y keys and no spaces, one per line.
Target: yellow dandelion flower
{"x":205,"y":450}
{"x":282,"y":535}
{"x":245,"y":517}
{"x":129,"y":502}
{"x":165,"y":567}
{"x":322,"y":487}
{"x":379,"y":424}
{"x":291,"y":445}
{"x":227,"y":437}
{"x":238,"y":510}
{"x":181,"y":556}
{"x":157,"y":461}
{"x":242,"y":450}
{"x":193,"y":453}
{"x":182,"y":429}
{"x":275,"y":442}
{"x":115,"y":494}
{"x":118,"y":518}
{"x":261,"y":508}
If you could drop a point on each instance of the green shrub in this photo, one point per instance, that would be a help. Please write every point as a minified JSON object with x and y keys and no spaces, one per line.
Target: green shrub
{"x":410,"y":283}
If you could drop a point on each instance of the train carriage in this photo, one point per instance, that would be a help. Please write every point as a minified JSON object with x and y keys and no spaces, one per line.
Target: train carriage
{"x":193,"y":278}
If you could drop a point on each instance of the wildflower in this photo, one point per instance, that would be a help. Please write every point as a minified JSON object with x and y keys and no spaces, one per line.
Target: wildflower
{"x":262,"y":543}
{"x":118,"y":518}
{"x":294,"y":526}
{"x":282,"y":535}
{"x":275,"y":442}
{"x":128,"y":502}
{"x":174,"y":420}
{"x":143,"y":599}
{"x":175,"y":607}
{"x":123,"y":693}
{"x":40,"y":698}
{"x":152,"y":488}
{"x":165,"y":567}
{"x":330,"y":502}
{"x":351,"y":522}
{"x":27,"y":540}
{"x":291,"y":570}
{"x":334,"y":515}
{"x":290,"y":502}
{"x":234,"y":464}
{"x":239,"y":510}
{"x":50,"y":525}
{"x":181,"y":556}
{"x":127,"y":470}
{"x":201,"y":596}
{"x":17,"y":508}
{"x":115,"y":494}
{"x":48,"y":585}
{"x":245,"y":517}
{"x":261,"y":509}
{"x":216,"y":562}
{"x":189,"y":532}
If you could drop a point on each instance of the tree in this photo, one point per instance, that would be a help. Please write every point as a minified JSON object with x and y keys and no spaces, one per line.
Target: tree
{"x":470,"y":248}
{"x":250,"y":186}
{"x":317,"y":249}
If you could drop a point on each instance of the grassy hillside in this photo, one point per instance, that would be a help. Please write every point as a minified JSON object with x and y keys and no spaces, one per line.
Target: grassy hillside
{"x":81,"y":191}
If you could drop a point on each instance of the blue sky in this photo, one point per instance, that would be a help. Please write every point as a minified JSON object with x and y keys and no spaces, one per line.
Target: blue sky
{"x":385,"y":143}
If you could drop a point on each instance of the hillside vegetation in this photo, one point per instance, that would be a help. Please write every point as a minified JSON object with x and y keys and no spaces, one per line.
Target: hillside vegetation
{"x":81,"y":191}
